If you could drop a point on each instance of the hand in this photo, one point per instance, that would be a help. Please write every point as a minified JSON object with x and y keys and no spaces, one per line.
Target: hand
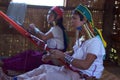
{"x":31,"y":28}
{"x":46,"y":57}
{"x":32,"y":25}
{"x":57,"y":54}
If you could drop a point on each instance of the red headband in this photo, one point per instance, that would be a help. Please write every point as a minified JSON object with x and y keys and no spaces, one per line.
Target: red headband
{"x":57,"y":10}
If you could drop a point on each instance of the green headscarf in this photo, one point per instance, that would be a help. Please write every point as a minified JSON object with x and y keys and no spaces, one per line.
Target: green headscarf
{"x":87,"y":14}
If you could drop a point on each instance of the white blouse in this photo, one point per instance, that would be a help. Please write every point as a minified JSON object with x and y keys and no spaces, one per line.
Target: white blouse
{"x":93,"y":46}
{"x":58,"y":41}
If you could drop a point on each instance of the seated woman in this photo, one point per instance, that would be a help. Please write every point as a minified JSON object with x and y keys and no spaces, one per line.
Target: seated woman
{"x":86,"y":63}
{"x":55,"y":39}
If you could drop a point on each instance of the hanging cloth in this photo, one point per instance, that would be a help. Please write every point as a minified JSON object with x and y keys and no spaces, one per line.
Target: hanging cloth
{"x":16,"y":11}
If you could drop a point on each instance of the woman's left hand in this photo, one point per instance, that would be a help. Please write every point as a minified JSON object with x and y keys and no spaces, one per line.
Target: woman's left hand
{"x":57,"y":54}
{"x":46,"y":57}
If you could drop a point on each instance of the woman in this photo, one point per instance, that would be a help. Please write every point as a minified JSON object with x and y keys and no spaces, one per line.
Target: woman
{"x":55,"y":39}
{"x":86,"y":63}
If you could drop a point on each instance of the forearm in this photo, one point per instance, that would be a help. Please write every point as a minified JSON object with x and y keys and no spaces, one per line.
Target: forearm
{"x":36,"y":31}
{"x":39,"y":33}
{"x":81,"y":64}
{"x":85,"y":63}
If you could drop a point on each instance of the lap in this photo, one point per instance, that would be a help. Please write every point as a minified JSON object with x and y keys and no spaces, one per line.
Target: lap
{"x":51,"y":73}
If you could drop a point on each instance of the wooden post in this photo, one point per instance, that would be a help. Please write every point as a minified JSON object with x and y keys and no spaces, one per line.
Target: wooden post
{"x":108,"y":18}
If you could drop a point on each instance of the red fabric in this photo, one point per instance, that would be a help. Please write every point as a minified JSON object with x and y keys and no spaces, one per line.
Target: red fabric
{"x":24,"y":61}
{"x":58,"y":10}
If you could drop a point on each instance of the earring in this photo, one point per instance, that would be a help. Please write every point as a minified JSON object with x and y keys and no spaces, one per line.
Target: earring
{"x":54,"y":23}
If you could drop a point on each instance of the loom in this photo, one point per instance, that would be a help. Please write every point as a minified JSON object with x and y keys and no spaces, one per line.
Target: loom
{"x":22,"y":31}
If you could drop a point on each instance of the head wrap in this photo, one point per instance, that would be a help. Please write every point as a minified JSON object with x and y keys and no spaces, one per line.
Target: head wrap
{"x":57,"y":10}
{"x":87,"y":14}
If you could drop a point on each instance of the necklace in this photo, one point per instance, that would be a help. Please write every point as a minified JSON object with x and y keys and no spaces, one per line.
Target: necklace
{"x":80,"y":41}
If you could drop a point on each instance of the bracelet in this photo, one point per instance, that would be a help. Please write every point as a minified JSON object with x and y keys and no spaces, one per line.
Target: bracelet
{"x":36,"y":30}
{"x":69,"y":59}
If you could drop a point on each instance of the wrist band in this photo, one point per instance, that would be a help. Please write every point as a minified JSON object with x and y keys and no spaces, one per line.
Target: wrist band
{"x":68,"y":58}
{"x":36,"y":30}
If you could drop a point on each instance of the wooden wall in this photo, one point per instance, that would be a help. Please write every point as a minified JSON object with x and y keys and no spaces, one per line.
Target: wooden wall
{"x":111,"y":29}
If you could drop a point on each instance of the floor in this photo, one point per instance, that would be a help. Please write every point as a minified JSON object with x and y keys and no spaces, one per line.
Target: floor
{"x":112,"y":67}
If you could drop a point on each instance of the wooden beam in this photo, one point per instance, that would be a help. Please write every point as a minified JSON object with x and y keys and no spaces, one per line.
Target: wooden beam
{"x":108,"y":17}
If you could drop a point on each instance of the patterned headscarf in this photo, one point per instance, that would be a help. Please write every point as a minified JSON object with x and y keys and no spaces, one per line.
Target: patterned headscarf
{"x":87,"y":14}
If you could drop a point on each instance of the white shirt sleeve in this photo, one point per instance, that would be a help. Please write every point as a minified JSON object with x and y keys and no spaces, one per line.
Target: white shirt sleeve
{"x":96,"y":47}
{"x":57,"y":40}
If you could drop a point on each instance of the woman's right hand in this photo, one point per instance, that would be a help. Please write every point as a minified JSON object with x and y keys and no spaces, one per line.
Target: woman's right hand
{"x":31,"y":28}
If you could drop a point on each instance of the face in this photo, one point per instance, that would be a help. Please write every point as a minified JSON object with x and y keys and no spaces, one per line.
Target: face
{"x":50,"y":17}
{"x":76,"y":21}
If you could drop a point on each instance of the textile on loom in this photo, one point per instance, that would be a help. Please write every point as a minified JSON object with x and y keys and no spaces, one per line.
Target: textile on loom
{"x":16,"y":11}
